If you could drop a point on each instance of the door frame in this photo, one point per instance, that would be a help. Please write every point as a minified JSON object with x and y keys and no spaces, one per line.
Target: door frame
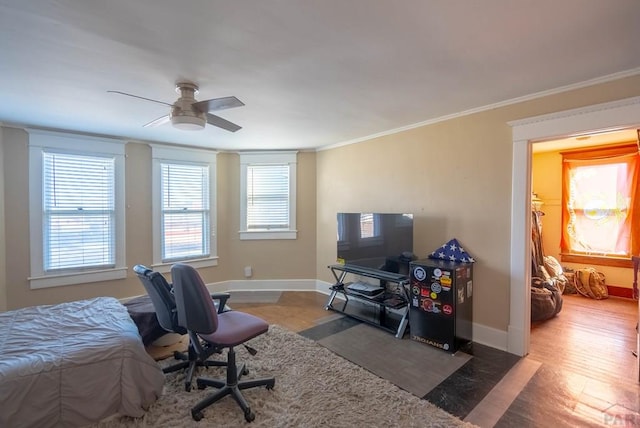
{"x":616,"y":115}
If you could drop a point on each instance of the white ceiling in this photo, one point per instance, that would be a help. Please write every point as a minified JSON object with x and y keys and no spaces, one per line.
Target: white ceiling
{"x":311,"y":73}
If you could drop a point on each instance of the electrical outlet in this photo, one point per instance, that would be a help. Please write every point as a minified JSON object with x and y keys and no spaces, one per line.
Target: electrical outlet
{"x":248,"y":271}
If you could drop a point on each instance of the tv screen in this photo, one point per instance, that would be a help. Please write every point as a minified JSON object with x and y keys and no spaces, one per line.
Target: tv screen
{"x":376,"y":240}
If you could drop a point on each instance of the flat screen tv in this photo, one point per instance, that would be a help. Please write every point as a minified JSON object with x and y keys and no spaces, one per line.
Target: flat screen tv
{"x":381,"y":241}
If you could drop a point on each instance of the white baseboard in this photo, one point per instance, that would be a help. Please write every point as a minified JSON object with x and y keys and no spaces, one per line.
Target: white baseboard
{"x":271,"y":285}
{"x":264,"y":285}
{"x":489,"y":336}
{"x":323,"y":287}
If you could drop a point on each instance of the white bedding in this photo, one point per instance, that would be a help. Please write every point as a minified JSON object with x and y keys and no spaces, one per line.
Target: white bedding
{"x":72,"y":364}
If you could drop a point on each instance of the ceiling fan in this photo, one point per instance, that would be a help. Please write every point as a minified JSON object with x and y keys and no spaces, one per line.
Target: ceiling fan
{"x":188,"y":113}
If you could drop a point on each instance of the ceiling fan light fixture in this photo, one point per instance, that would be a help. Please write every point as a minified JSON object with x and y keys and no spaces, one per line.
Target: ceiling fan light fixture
{"x":189,"y":114}
{"x":188,"y":123}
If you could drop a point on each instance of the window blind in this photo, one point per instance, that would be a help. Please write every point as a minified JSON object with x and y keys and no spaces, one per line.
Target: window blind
{"x":268,"y":197}
{"x":79,"y":211}
{"x":185,"y":211}
{"x":367,"y":229}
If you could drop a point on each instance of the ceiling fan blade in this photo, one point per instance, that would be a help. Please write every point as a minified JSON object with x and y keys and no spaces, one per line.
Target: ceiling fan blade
{"x":157,"y":122}
{"x":217,"y":104}
{"x":222,"y":123}
{"x":142,"y":98}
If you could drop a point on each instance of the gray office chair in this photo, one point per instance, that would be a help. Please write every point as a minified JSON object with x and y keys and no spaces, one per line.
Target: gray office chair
{"x":162,"y":297}
{"x":198,"y":315}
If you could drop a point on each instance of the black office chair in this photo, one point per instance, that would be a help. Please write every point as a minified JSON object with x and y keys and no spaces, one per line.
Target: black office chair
{"x":162,"y":297}
{"x":225,"y":330}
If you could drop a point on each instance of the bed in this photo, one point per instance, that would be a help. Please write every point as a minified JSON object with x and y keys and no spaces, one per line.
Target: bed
{"x":73,"y":364}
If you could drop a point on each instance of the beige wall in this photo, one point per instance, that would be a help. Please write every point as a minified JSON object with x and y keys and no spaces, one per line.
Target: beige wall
{"x":270,"y":259}
{"x":455,"y":176}
{"x":450,"y":176}
{"x":138,"y":222}
{"x":547,"y":183}
{"x":281,"y":259}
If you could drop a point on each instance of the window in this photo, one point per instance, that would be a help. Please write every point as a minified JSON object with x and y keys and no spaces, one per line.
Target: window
{"x":183,"y":218}
{"x":370,"y":230}
{"x":76,"y":209}
{"x":369,"y":225}
{"x":268,"y":195}
{"x":600,"y":203}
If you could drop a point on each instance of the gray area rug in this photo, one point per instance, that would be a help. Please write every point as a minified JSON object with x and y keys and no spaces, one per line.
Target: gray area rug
{"x":314,"y":387}
{"x":413,"y":366}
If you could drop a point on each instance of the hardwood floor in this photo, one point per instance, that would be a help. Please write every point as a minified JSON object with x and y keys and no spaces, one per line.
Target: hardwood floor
{"x":594,"y":338}
{"x":294,"y":310}
{"x":590,"y":337}
{"x":580,"y":370}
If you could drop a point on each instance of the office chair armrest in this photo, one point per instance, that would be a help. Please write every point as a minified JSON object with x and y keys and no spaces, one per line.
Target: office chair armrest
{"x":222,"y":297}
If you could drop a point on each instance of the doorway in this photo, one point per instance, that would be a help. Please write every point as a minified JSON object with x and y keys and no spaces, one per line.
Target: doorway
{"x":616,"y":115}
{"x":577,"y":340}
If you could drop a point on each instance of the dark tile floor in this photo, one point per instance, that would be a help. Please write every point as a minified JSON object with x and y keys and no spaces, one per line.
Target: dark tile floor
{"x":580,"y":371}
{"x":495,"y":388}
{"x":464,"y":389}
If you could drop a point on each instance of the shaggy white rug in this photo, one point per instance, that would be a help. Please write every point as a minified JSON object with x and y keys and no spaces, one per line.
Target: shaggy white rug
{"x":314,"y":387}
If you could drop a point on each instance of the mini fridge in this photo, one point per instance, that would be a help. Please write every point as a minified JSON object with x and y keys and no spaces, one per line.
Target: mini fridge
{"x":441,"y":306}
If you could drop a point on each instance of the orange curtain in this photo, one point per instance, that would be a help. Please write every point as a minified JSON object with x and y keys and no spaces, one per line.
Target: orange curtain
{"x":574,"y":211}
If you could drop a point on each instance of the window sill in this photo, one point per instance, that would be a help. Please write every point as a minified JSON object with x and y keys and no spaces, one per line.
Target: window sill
{"x":268,"y":234}
{"x":597,"y":260}
{"x":196,"y":263}
{"x":77,"y":278}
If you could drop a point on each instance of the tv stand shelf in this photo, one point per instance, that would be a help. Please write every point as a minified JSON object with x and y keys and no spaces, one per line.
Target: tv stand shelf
{"x":394,"y":298}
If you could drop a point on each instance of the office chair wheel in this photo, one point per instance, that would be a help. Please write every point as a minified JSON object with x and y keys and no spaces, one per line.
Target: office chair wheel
{"x":179,"y":356}
{"x":249,"y":416}
{"x":197,"y":415}
{"x":187,"y":386}
{"x":200,"y":384}
{"x":270,"y":385}
{"x":245,"y":371}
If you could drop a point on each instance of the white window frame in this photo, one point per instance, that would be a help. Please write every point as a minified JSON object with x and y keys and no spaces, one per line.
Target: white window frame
{"x":265,"y":158}
{"x":376,"y":234}
{"x":184,"y":155}
{"x":41,"y":141}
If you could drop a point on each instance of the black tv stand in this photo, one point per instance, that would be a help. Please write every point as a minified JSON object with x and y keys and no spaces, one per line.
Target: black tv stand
{"x":395,"y":297}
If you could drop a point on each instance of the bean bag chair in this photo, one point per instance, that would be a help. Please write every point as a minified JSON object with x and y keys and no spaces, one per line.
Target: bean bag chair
{"x":546,"y":299}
